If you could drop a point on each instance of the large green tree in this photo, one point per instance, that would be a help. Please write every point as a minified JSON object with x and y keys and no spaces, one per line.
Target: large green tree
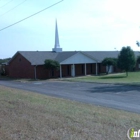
{"x":126,"y":59}
{"x":51,"y":65}
{"x":108,"y":61}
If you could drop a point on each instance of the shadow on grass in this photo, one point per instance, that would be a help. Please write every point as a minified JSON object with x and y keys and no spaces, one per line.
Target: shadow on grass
{"x":112,"y":77}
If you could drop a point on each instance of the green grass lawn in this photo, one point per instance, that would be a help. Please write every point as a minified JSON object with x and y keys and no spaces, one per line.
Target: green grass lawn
{"x":31,"y":116}
{"x":133,"y":78}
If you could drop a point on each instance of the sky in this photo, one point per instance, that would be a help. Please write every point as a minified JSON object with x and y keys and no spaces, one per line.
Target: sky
{"x":83,"y":25}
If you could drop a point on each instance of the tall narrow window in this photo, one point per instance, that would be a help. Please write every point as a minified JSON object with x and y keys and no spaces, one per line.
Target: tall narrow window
{"x":91,"y":69}
{"x":82,"y":69}
{"x":68,"y":70}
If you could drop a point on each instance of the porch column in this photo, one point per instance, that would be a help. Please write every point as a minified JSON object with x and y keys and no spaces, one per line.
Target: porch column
{"x":96,"y":68}
{"x":73,"y":70}
{"x":85,"y":69}
{"x":60,"y":71}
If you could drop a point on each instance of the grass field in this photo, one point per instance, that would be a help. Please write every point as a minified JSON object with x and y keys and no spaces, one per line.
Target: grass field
{"x":30,"y":116}
{"x":133,"y":78}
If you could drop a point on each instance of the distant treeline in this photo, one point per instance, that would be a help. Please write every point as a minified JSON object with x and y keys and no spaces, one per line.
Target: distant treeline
{"x":4,"y":60}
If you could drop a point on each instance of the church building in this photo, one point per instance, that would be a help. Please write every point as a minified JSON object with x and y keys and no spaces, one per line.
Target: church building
{"x":30,"y":64}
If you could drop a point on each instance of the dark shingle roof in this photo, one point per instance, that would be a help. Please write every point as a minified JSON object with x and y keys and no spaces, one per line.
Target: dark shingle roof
{"x":38,"y":57}
{"x":100,"y":55}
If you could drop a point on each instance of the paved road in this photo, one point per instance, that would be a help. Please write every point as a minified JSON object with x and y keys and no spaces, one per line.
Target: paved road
{"x":114,"y":96}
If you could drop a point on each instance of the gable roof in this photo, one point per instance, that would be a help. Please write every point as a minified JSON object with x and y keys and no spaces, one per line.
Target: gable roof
{"x":79,"y":58}
{"x":64,"y":55}
{"x":38,"y":57}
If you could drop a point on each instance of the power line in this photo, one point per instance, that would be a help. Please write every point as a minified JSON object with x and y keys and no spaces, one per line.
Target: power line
{"x":6,"y":4}
{"x":13,"y":8}
{"x":30,"y":16}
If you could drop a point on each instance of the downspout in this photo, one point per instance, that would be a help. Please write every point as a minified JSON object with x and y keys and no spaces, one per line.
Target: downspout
{"x":96,"y":68}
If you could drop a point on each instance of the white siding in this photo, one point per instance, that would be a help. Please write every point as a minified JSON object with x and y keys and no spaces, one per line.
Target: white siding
{"x":78,"y":58}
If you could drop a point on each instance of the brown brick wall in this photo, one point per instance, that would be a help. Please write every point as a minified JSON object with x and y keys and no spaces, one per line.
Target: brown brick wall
{"x":43,"y":73}
{"x":19,"y":67}
{"x":101,"y":68}
{"x":79,"y":69}
{"x":91,"y":68}
{"x":66,"y":70}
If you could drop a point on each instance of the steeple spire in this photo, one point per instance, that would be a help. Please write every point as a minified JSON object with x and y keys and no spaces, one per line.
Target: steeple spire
{"x":56,"y":37}
{"x":56,"y":45}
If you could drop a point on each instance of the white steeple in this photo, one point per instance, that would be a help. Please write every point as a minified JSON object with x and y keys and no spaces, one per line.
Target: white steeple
{"x":56,"y":37}
{"x":57,"y":45}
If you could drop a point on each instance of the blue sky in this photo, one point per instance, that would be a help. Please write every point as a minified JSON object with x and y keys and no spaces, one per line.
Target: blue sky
{"x":85,"y":25}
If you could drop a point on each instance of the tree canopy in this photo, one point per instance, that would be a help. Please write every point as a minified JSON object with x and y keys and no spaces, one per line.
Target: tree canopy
{"x":126,"y":59}
{"x":51,"y":64}
{"x":108,"y":61}
{"x":4,"y":60}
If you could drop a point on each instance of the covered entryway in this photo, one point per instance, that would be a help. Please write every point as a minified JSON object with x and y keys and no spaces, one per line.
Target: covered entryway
{"x":78,"y":64}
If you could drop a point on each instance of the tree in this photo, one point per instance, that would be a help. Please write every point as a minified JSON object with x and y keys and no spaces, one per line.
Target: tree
{"x":126,"y":59}
{"x":51,"y":65}
{"x":4,"y":60}
{"x":108,"y":61}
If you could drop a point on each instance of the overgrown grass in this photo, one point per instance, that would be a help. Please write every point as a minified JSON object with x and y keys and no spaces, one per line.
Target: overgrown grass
{"x":133,"y":78}
{"x":30,"y":116}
